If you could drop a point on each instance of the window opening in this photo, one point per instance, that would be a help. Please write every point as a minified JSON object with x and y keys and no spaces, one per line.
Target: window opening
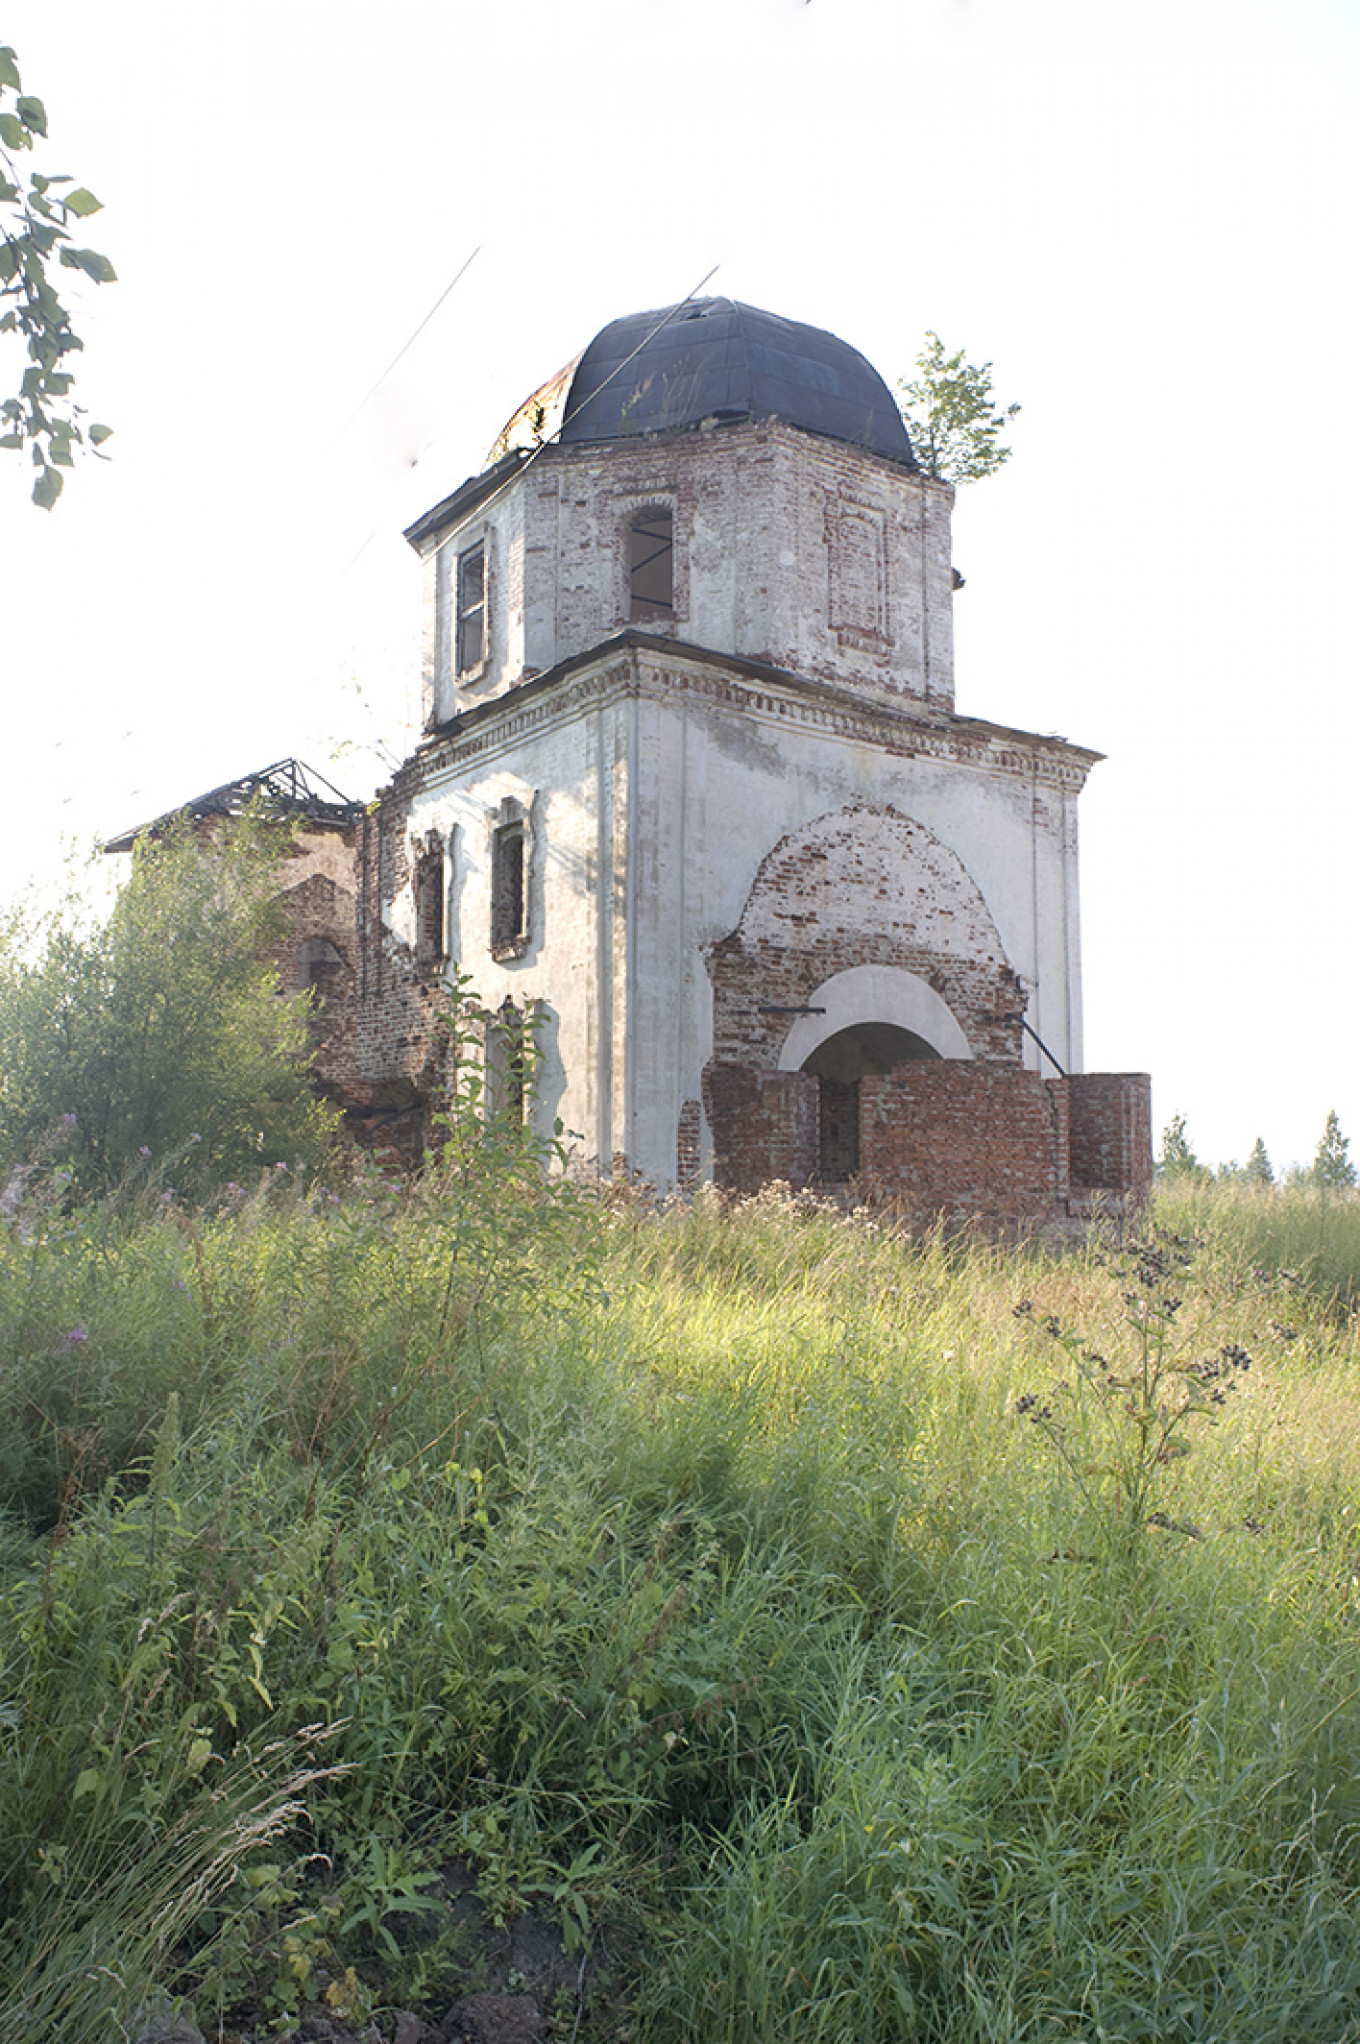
{"x":509,"y":920}
{"x":507,"y":1064}
{"x":428,"y":883}
{"x":651,"y":565}
{"x":319,"y":967}
{"x":471,"y":608}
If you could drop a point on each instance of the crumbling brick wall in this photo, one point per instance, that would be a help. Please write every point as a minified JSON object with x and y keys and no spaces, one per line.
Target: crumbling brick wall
{"x":964,"y":1138}
{"x":1112,"y":1132}
{"x":764,"y":1126}
{"x":394,"y":1064}
{"x":860,"y":887}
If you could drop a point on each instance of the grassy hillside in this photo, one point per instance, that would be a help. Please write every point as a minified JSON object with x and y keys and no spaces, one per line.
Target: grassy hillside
{"x":836,"y":1637}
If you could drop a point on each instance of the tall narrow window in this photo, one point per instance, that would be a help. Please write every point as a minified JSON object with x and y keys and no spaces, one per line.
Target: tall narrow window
{"x":471,"y":608}
{"x":651,"y":565}
{"x":428,"y":883}
{"x":509,"y":895}
{"x":506,"y":1063}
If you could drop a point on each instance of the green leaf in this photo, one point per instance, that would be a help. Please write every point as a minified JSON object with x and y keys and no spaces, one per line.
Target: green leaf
{"x":88,"y":1783}
{"x":92,"y":263}
{"x":82,"y":203}
{"x":99,"y":434}
{"x":47,"y":489}
{"x":9,"y":70}
{"x":13,"y":133}
{"x":11,"y":439}
{"x":33,"y":114}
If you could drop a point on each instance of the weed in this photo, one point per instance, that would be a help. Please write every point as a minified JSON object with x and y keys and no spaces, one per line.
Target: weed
{"x":1118,"y":1422}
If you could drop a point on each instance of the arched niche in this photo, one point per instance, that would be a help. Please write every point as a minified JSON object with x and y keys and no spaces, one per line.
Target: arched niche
{"x":872,"y":1018}
{"x":880,"y":996}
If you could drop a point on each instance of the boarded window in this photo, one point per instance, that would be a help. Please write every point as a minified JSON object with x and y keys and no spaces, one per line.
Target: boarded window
{"x":651,"y":566}
{"x":471,"y":608}
{"x":509,"y":894}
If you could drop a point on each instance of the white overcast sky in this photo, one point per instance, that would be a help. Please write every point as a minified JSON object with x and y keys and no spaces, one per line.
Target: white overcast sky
{"x":1144,"y":215}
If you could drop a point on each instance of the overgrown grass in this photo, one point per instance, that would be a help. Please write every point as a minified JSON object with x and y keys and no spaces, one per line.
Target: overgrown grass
{"x":1309,"y":1229}
{"x":694,"y":1576}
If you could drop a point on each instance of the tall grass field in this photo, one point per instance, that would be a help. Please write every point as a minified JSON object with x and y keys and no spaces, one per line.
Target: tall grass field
{"x":832,"y":1635}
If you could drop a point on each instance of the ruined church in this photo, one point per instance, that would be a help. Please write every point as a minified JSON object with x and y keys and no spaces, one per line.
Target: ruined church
{"x":694,"y":796}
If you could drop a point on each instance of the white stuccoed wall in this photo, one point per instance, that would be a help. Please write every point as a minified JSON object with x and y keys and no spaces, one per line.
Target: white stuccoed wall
{"x":656,"y":786}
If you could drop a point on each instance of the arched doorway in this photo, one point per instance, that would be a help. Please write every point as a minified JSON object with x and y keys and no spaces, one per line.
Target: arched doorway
{"x":838,"y":1064}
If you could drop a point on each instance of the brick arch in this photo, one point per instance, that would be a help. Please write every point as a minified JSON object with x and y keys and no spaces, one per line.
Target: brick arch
{"x":860,"y":887}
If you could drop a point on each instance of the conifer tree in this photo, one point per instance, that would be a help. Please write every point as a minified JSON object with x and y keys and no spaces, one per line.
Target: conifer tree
{"x":1178,"y":1157}
{"x":1332,"y":1167}
{"x":1259,"y":1170}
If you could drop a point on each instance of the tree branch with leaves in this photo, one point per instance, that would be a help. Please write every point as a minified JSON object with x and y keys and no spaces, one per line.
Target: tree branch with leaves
{"x":36,"y":240}
{"x":954,"y":422}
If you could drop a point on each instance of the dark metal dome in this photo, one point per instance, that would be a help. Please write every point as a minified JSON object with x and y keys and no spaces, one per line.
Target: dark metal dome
{"x":714,"y":359}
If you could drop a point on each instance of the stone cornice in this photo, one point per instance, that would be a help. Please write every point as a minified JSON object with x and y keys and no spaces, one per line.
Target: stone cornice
{"x":641,"y":664}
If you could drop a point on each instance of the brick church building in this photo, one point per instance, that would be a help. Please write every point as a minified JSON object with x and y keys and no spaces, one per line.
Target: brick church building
{"x":694,"y":792}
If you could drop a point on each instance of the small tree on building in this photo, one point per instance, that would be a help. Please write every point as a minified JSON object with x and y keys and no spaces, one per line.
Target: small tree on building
{"x":954,"y":422}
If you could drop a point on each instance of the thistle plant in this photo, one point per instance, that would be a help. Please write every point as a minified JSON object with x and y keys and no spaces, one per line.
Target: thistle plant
{"x":1118,"y":1423}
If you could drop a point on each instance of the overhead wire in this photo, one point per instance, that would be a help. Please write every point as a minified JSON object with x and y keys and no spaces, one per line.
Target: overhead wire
{"x":409,"y":342}
{"x":671,"y":312}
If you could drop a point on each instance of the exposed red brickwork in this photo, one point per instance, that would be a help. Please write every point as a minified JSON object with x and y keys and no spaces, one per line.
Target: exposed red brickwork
{"x":319,"y":953}
{"x":395,"y":1065}
{"x":764,"y":1126}
{"x":965,"y":1137}
{"x":1112,"y":1131}
{"x":859,"y":886}
{"x":832,"y":897}
{"x":688,"y":1137}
